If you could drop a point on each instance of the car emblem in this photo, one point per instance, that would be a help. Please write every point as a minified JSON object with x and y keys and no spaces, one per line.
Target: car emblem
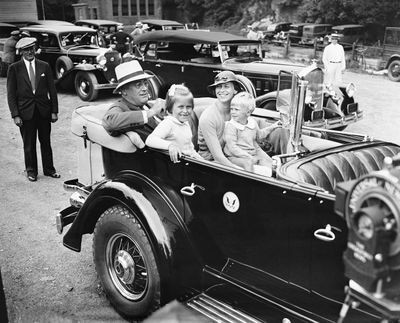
{"x":231,"y":202}
{"x":112,"y":59}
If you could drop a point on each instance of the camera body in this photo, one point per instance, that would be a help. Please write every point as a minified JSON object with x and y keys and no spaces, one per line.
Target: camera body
{"x":371,"y":207}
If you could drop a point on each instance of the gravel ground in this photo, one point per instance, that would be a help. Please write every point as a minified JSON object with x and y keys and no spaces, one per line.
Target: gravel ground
{"x":44,"y":281}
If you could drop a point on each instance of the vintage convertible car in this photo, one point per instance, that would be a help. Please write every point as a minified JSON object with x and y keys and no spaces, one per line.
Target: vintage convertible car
{"x":233,"y":245}
{"x":193,"y":57}
{"x":76,"y":59}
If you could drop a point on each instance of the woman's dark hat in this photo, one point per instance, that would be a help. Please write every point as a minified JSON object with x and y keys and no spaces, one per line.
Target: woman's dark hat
{"x":223,"y":77}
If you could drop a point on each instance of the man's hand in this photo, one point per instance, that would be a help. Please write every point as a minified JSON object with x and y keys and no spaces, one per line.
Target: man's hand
{"x":18,"y":121}
{"x":54,"y":117}
{"x":174,"y":153}
{"x":157,"y":108}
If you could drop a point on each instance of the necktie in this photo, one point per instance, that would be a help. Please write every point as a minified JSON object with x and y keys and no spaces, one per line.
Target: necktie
{"x":32,"y":77}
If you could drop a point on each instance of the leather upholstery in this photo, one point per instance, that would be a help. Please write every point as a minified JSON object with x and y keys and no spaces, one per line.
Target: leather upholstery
{"x":326,"y":168}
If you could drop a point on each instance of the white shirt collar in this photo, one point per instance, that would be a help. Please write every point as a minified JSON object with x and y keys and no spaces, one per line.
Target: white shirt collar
{"x":251,"y":124}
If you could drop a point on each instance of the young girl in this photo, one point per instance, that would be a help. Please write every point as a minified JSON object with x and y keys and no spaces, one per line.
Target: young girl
{"x":174,"y":133}
{"x":242,"y":132}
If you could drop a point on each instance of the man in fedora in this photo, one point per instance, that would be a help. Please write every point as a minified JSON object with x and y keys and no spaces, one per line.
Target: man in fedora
{"x":9,"y":53}
{"x":32,"y":99}
{"x":334,"y":62}
{"x":131,"y":111}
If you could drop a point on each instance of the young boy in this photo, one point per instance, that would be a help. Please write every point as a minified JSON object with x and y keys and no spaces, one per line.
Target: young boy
{"x":242,"y":132}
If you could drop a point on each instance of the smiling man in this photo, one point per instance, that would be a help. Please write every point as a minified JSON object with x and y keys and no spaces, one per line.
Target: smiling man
{"x":131,"y":112}
{"x":32,"y":99}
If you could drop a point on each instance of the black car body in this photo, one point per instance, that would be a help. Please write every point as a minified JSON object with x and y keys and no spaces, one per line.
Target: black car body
{"x":296,"y":31}
{"x":391,"y":53}
{"x":193,"y":57}
{"x":315,"y":33}
{"x":272,"y":29}
{"x":76,"y":59}
{"x":229,"y":242}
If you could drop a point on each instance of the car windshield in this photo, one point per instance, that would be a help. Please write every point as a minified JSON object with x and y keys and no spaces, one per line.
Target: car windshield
{"x":240,"y":51}
{"x":74,"y":39}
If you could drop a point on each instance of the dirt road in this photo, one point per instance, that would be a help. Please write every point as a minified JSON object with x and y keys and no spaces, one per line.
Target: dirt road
{"x":44,"y":281}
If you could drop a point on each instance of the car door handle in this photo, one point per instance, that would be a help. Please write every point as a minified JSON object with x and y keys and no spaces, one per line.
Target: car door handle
{"x":190,"y":190}
{"x":326,"y":234}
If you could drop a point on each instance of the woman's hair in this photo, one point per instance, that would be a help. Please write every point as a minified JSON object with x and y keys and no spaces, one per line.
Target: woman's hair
{"x":174,"y":91}
{"x":245,"y":99}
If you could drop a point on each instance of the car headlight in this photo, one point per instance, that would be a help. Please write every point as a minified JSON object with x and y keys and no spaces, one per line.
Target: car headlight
{"x":350,"y":90}
{"x":101,"y":60}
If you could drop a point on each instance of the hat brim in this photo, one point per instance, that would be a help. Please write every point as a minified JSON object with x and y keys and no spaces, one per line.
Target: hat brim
{"x":212,"y":86}
{"x":143,"y":76}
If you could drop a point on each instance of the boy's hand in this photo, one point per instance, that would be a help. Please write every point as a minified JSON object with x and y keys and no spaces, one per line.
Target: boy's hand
{"x":174,"y":153}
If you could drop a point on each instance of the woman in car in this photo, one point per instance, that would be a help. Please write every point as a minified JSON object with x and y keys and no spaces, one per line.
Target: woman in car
{"x":212,"y":120}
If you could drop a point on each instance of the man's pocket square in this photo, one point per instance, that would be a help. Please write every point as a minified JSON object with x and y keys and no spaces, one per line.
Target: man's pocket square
{"x":42,"y":75}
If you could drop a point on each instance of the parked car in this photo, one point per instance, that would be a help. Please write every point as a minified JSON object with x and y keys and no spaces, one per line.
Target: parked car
{"x":162,"y":24}
{"x":105,"y":27}
{"x":296,"y":31}
{"x":193,"y":57}
{"x":315,"y":32}
{"x":271,"y":30}
{"x":349,"y":35}
{"x":391,"y":53}
{"x":48,"y":23}
{"x":5,"y":32}
{"x":6,"y":29}
{"x":76,"y":59}
{"x":226,"y":242}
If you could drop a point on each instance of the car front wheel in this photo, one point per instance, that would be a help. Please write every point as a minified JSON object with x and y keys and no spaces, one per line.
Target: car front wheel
{"x":394,"y":71}
{"x":85,"y":86}
{"x":126,"y":264}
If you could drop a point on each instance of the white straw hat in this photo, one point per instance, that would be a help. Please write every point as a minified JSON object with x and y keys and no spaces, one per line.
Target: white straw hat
{"x":129,"y":72}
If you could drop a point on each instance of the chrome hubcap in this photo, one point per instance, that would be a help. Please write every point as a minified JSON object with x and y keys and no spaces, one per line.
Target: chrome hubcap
{"x":124,"y":266}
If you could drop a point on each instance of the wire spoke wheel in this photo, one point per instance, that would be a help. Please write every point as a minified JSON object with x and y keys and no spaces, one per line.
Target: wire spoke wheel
{"x":126,"y":266}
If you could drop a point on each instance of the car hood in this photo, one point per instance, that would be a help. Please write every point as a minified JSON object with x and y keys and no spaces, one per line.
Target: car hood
{"x":267,"y":66}
{"x":87,"y":51}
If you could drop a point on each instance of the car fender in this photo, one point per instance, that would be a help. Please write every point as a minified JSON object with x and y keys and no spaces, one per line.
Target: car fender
{"x":391,"y":59}
{"x":158,"y":210}
{"x":262,"y":99}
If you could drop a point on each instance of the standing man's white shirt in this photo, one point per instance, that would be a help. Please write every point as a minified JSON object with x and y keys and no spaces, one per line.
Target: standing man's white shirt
{"x":334,"y":62}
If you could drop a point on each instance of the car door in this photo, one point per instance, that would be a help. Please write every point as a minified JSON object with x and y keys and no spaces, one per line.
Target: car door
{"x":261,"y":225}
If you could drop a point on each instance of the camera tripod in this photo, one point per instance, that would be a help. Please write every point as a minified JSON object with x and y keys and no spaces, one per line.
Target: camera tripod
{"x":356,"y":295}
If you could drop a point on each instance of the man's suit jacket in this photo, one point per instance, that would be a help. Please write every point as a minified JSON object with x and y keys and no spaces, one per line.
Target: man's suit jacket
{"x":124,"y":116}
{"x":21,"y":99}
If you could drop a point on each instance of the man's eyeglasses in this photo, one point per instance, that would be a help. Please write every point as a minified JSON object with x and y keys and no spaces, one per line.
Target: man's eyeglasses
{"x":140,"y":84}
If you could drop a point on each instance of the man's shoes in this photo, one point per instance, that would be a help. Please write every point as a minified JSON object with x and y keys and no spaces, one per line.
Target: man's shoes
{"x":53,"y":175}
{"x":32,"y":178}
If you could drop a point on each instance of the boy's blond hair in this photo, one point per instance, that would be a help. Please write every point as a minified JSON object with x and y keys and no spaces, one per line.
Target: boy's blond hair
{"x":245,"y":99}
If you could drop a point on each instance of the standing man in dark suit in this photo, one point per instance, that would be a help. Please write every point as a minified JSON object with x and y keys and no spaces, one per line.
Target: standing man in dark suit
{"x":32,"y":99}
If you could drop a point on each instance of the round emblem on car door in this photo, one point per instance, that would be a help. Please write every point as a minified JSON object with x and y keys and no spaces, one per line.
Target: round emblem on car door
{"x":231,"y":202}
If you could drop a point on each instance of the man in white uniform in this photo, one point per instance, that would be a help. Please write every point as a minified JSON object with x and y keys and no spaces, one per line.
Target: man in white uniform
{"x":334,"y":61}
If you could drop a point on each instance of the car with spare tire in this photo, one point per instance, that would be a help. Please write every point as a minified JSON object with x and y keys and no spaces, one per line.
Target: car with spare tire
{"x":76,"y":58}
{"x":226,"y":242}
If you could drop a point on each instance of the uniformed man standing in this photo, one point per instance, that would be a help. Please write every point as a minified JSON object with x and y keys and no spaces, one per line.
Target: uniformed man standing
{"x":334,"y":62}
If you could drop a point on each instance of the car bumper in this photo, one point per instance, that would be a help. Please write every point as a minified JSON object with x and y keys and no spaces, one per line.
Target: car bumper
{"x":333,"y":123}
{"x":78,"y":197}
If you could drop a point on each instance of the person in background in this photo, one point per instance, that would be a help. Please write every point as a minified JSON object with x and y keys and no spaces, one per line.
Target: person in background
{"x":9,"y":54}
{"x":33,"y":103}
{"x":132,"y":112}
{"x":139,"y":29}
{"x":174,"y":132}
{"x":334,"y":62}
{"x":252,"y":33}
{"x":242,"y":133}
{"x":121,"y":40}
